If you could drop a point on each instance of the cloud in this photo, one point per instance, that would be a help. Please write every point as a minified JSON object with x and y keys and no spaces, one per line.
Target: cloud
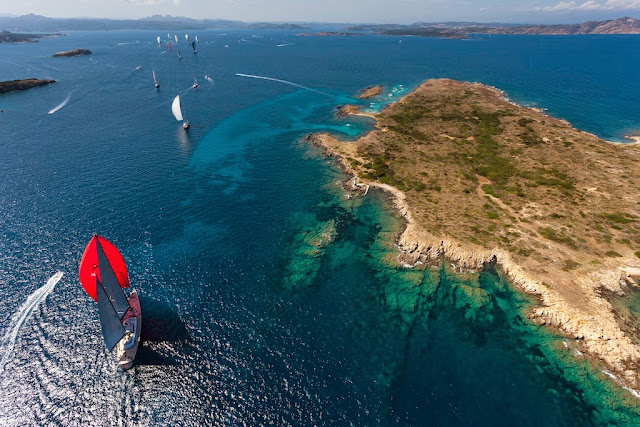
{"x":591,"y":5}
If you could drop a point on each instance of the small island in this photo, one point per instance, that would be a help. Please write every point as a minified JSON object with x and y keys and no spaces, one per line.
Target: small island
{"x":16,"y":85}
{"x":75,"y":52}
{"x":370,"y":92}
{"x":481,"y":182}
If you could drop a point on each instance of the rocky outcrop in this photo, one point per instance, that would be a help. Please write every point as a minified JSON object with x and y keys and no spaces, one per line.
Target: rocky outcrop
{"x":16,"y":85}
{"x":370,"y":92}
{"x":75,"y":52}
{"x":347,"y":110}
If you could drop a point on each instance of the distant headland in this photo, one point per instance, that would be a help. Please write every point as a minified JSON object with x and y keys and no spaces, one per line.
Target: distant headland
{"x":75,"y":52}
{"x":16,"y":85}
{"x":456,"y":30}
{"x":329,"y":33}
{"x":9,"y":37}
{"x":482,"y":181}
{"x":453,"y":30}
{"x":274,"y":26}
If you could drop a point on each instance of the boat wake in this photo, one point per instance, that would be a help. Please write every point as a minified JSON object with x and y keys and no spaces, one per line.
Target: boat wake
{"x":59,"y":106}
{"x":280,"y":81}
{"x":24,"y":313}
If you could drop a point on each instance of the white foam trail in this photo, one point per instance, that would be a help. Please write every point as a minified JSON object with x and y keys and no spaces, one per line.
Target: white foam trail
{"x":280,"y":81}
{"x":284,"y":44}
{"x":23,"y":314}
{"x":59,"y":106}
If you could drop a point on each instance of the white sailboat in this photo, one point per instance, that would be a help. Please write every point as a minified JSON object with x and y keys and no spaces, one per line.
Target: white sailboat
{"x":155,"y":80}
{"x":176,"y":109}
{"x":197,"y":41}
{"x":175,"y":36}
{"x":195,"y":83}
{"x":186,"y":37}
{"x":179,"y":56}
{"x":159,"y":42}
{"x":168,"y":36}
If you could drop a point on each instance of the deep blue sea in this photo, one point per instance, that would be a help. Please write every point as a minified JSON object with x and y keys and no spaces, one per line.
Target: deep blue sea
{"x":247,"y":318}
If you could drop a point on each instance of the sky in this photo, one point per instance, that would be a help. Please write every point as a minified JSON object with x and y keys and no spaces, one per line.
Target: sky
{"x":378,"y":11}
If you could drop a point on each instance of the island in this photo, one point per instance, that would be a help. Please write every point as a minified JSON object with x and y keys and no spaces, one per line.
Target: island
{"x":16,"y":85}
{"x":482,"y":182}
{"x":274,"y":26}
{"x":370,"y":92}
{"x":75,"y":52}
{"x":420,"y":30}
{"x":329,"y":33}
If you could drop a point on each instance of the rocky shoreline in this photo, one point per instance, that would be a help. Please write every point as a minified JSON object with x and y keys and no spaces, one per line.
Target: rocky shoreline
{"x":17,"y":85}
{"x":578,"y":309}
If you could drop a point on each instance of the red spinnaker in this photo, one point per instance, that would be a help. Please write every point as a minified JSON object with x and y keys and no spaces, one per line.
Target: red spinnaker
{"x":89,"y":265}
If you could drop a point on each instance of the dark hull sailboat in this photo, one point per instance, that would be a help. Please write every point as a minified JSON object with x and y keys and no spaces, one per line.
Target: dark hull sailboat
{"x":103,"y":275}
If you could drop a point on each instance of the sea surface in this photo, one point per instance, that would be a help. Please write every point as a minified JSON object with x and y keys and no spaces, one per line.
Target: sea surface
{"x":268,"y":297}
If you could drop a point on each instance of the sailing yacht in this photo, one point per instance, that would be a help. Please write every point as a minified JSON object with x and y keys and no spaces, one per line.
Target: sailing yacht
{"x":155,"y":80}
{"x":103,"y":275}
{"x":159,"y":41}
{"x":195,"y":83}
{"x":176,"y":109}
{"x":179,"y":56}
{"x":193,"y":45}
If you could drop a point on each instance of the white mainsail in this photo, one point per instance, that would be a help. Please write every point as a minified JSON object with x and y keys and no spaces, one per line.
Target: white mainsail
{"x":155,"y":80}
{"x":169,"y":36}
{"x":186,"y":36}
{"x":175,"y":36}
{"x":175,"y":108}
{"x":159,"y":42}
{"x":197,"y":39}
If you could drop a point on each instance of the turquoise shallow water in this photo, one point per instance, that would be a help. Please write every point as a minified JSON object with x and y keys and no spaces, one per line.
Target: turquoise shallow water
{"x":268,"y":296}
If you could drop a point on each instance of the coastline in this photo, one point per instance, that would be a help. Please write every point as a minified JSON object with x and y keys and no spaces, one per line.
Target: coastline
{"x":593,"y":324}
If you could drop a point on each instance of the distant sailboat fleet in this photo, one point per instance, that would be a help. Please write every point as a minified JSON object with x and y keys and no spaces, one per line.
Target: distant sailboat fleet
{"x":176,"y":106}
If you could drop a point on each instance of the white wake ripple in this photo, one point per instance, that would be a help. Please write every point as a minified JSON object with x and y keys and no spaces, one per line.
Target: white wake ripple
{"x":59,"y":106}
{"x":24,"y":313}
{"x":280,"y":81}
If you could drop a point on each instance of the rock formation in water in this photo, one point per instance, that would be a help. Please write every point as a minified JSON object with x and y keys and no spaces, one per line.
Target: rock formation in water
{"x":16,"y":85}
{"x":75,"y":52}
